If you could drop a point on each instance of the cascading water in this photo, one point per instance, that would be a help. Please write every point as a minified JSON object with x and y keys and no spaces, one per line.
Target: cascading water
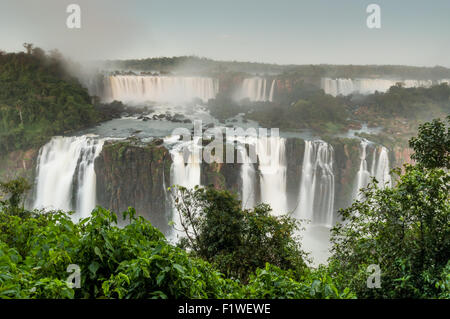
{"x":272,"y":166}
{"x":363,"y":175}
{"x":256,"y":90}
{"x":185,"y":171}
{"x":136,"y":89}
{"x":248,"y":176}
{"x":379,"y":168}
{"x":343,"y":86}
{"x":316,"y":199}
{"x":63,"y":163}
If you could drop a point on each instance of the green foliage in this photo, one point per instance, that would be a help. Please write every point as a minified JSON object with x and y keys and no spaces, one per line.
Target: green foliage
{"x":274,"y":283}
{"x":15,"y":189}
{"x":39,"y":99}
{"x":314,"y":110}
{"x":404,"y":230}
{"x":131,"y":262}
{"x":411,"y":103}
{"x":432,"y":145}
{"x":236,"y":241}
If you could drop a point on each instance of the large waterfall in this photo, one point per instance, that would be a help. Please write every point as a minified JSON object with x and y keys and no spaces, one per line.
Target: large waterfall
{"x":316,"y":198}
{"x":138,"y":89}
{"x":257,"y":89}
{"x":343,"y":86}
{"x":379,"y":168}
{"x":65,"y":174}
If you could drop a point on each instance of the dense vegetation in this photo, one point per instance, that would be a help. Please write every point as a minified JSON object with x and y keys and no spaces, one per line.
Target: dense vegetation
{"x":136,"y":261}
{"x":39,"y":99}
{"x":411,"y":103}
{"x":219,"y":231}
{"x":233,"y":253}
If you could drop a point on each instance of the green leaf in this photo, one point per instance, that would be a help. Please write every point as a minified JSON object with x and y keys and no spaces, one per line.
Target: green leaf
{"x":98,"y":252}
{"x":93,"y":267}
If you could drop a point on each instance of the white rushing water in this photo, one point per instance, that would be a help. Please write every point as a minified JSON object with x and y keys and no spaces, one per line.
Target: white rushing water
{"x":272,"y":166}
{"x":379,"y":168}
{"x":248,"y":176}
{"x":316,"y":198}
{"x":185,"y":171}
{"x":177,"y":89}
{"x":63,"y":163}
{"x":257,"y":89}
{"x":342,"y":86}
{"x":363,"y":175}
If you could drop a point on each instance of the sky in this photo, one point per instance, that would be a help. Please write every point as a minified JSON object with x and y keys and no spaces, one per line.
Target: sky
{"x":412,"y":32}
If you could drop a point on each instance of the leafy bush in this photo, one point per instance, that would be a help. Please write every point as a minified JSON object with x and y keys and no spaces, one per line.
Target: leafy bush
{"x":236,"y":241}
{"x":274,"y":283}
{"x":432,"y":144}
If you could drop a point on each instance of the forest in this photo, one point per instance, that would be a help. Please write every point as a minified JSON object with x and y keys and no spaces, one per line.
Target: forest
{"x":39,"y":99}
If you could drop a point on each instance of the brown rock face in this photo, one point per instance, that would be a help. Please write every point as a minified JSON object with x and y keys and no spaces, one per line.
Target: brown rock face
{"x":137,"y":176}
{"x":19,"y":164}
{"x":402,"y":155}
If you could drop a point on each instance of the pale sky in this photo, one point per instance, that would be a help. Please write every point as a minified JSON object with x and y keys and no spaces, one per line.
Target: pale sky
{"x":412,"y":32}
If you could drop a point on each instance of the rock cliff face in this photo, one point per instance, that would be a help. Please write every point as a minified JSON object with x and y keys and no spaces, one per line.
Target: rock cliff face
{"x":402,"y":155}
{"x":20,"y":164}
{"x":137,"y":175}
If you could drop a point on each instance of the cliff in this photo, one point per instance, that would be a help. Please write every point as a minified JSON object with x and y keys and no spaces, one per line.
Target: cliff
{"x":130,"y":173}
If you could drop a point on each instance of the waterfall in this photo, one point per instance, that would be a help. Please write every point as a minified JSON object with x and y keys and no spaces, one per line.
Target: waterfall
{"x":272,"y":166}
{"x":63,"y":163}
{"x":248,"y":176}
{"x":316,"y":198}
{"x":272,"y":88}
{"x":138,"y":89}
{"x":185,"y":171}
{"x":343,"y":86}
{"x":256,"y":90}
{"x":379,"y":169}
{"x":363,"y":175}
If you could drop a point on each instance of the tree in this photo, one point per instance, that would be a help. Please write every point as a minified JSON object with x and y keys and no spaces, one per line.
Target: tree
{"x":404,"y":229}
{"x":28,"y":47}
{"x":432,"y":145}
{"x":237,"y":241}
